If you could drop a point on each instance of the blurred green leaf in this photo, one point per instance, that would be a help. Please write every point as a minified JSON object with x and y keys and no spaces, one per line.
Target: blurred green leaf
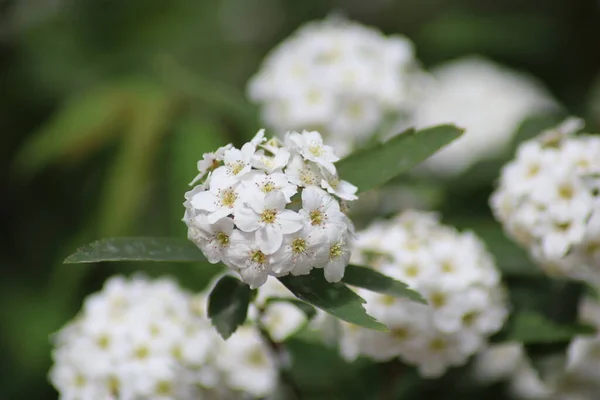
{"x":137,"y":249}
{"x":84,"y":123}
{"x":228,"y":305}
{"x":334,"y":298}
{"x":214,"y":95}
{"x":306,"y":308}
{"x":124,"y":194}
{"x":370,"y":279}
{"x":373,"y":166}
{"x":529,"y":327}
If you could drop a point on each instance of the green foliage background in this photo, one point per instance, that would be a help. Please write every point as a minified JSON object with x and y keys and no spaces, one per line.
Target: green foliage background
{"x":105,"y":107}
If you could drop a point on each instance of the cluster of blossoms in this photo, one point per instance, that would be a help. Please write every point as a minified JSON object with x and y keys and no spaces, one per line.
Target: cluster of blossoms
{"x":548,"y":200}
{"x":454,"y":273}
{"x":488,"y":100}
{"x":272,"y":208}
{"x":338,"y":77}
{"x":577,"y":379}
{"x":143,"y":339}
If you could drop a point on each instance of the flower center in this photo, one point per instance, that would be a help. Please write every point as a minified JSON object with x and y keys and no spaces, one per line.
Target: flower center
{"x":334,"y":183}
{"x":307,"y":177}
{"x":299,"y":246}
{"x":316,"y":149}
{"x":335,"y":251}
{"x":236,"y":167}
{"x":268,"y":187}
{"x":469,"y":318}
{"x":438,"y":299}
{"x":437,"y":344}
{"x":316,"y":217}
{"x":142,"y":352}
{"x":222,"y":238}
{"x":533,"y":170}
{"x":268,"y":216}
{"x":256,"y":358}
{"x":565,"y":192}
{"x":103,"y":341}
{"x":258,"y":257}
{"x":228,"y":198}
{"x":164,"y":388}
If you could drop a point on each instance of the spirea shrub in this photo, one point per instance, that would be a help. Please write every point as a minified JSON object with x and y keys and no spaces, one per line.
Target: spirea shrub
{"x":338,"y":77}
{"x":548,"y":200}
{"x":487,"y":99}
{"x":272,"y":208}
{"x":454,"y":273}
{"x":149,"y":339}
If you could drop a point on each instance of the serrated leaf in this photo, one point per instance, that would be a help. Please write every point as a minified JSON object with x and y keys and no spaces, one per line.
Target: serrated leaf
{"x":228,"y":305}
{"x":530,"y":328}
{"x":368,"y":278}
{"x":334,"y":298}
{"x":376,"y":165}
{"x":137,"y":249}
{"x":306,"y":308}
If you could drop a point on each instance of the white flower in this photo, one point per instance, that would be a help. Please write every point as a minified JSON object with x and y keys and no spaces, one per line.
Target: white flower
{"x":545,"y":202}
{"x":269,"y":163}
{"x":266,"y":215}
{"x":342,"y":189}
{"x":267,"y":183}
{"x":310,"y":146}
{"x":301,"y":252}
{"x":254,"y":265}
{"x":248,"y":363}
{"x":237,"y":164}
{"x":338,"y":254}
{"x":213,"y":239}
{"x":320,"y":209}
{"x":303,"y":173}
{"x":454,"y":273}
{"x":218,"y":202}
{"x":487,"y":100}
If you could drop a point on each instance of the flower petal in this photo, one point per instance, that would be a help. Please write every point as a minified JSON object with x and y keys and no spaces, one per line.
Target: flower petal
{"x":246,"y":219}
{"x":204,"y":201}
{"x":290,"y":221}
{"x":269,"y":238}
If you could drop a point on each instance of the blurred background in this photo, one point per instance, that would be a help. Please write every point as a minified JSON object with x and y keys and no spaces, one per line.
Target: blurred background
{"x":105,"y":107}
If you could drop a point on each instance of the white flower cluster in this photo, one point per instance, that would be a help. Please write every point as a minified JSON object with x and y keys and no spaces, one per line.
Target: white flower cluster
{"x":577,"y":379}
{"x":548,"y":200}
{"x":143,"y":339}
{"x":339,"y":77}
{"x":272,"y":208}
{"x":455,"y":274}
{"x":488,"y":100}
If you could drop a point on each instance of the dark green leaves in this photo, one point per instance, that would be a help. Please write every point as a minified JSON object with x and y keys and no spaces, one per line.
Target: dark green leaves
{"x":375,"y":165}
{"x":334,"y":298}
{"x":370,"y":279}
{"x":228,"y":305}
{"x":137,"y":249}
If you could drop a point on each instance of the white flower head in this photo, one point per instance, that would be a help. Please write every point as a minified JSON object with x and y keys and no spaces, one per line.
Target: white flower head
{"x":546,"y":200}
{"x":455,"y":274}
{"x":260,"y":209}
{"x":339,"y":77}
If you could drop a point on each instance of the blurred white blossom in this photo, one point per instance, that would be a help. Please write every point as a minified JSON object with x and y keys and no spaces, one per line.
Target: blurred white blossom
{"x":548,"y":200}
{"x":339,"y":77}
{"x":455,"y":274}
{"x":150,"y":339}
{"x":272,"y":208}
{"x":487,"y":100}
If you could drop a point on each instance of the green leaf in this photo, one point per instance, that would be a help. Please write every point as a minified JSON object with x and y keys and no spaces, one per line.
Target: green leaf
{"x":334,"y":298}
{"x":306,"y":308}
{"x":228,"y":305}
{"x":530,"y":327}
{"x":368,"y":278}
{"x":84,"y":123}
{"x":137,"y":249}
{"x":376,"y":165}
